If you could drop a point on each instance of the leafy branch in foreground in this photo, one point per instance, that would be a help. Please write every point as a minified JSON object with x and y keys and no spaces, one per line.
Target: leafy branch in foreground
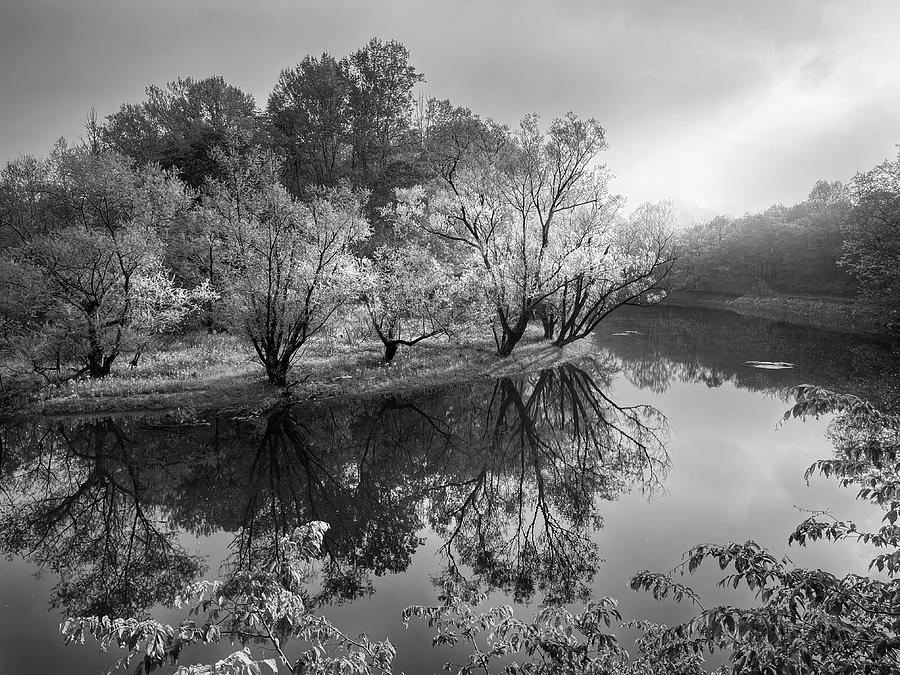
{"x":809,"y":620}
{"x":261,"y":607}
{"x":554,"y":642}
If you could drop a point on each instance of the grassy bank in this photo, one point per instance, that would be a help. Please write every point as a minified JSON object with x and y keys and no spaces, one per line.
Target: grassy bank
{"x":831,"y":313}
{"x":215,"y":372}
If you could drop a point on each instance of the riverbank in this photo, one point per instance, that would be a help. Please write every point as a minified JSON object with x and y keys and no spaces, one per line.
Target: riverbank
{"x":215,"y":372}
{"x":839,"y":314}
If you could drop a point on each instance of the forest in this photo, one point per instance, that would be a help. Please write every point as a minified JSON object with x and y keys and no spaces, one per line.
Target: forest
{"x":346,"y":200}
{"x":348,"y":204}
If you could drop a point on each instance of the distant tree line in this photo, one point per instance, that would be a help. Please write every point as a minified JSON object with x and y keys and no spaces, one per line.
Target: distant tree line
{"x":792,"y":249}
{"x":843,"y":240}
{"x":345,"y":197}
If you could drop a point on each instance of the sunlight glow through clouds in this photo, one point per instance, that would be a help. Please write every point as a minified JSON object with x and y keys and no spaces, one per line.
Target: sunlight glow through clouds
{"x":790,"y":123}
{"x":731,"y":106}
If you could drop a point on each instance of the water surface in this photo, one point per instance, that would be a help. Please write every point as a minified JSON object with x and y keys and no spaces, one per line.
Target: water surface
{"x":554,"y":486}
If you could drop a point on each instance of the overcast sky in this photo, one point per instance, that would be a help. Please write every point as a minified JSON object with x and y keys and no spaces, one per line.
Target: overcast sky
{"x":728,"y":105}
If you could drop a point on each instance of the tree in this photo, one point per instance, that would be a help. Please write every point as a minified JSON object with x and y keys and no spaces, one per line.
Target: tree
{"x":635,"y":261}
{"x":531,"y":212}
{"x":179,"y":125}
{"x":380,"y":80}
{"x":310,"y":117}
{"x":288,"y":265}
{"x":84,"y":272}
{"x":409,"y":296}
{"x":872,"y":236}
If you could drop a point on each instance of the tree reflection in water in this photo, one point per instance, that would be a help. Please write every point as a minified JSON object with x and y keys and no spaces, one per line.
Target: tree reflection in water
{"x":511,"y":474}
{"x":76,"y":503}
{"x":553,"y":446}
{"x":306,"y":468}
{"x":676,"y":344}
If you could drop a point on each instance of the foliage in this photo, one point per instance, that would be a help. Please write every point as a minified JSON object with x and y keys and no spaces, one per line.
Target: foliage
{"x":349,"y":119}
{"x":554,"y":641}
{"x":872,"y":236}
{"x":84,"y":271}
{"x":309,"y":113}
{"x":409,"y":296}
{"x":380,"y":80}
{"x":790,"y":250}
{"x":380,"y":96}
{"x":288,"y":265}
{"x":808,"y":620}
{"x":530,"y":214}
{"x":636,"y":259}
{"x":179,"y":126}
{"x":260,"y":606}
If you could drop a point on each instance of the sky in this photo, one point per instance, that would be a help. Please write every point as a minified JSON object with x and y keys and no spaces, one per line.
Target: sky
{"x":725,"y":106}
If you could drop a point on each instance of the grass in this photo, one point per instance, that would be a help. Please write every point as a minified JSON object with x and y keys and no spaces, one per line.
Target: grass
{"x":217,"y":372}
{"x":206,"y":372}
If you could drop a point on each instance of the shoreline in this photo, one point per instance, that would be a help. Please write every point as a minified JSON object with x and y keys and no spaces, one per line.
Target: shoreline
{"x":355,"y":371}
{"x":845,"y":315}
{"x":214,"y":373}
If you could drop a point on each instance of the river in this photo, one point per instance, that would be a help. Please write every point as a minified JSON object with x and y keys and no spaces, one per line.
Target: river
{"x":555,"y":486}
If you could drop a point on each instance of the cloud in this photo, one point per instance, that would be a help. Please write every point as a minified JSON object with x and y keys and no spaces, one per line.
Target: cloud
{"x":728,"y":105}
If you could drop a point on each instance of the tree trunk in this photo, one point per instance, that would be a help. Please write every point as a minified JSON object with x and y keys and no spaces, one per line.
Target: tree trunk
{"x":276,"y":370}
{"x":511,"y":335}
{"x":548,"y":316}
{"x":98,"y":366}
{"x":390,"y":350}
{"x":549,"y":324}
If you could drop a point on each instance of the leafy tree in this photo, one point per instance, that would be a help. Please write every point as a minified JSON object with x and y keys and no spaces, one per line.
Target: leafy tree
{"x":872,"y":236}
{"x":288,"y":265}
{"x":178,"y":126}
{"x":634,"y":263}
{"x":827,"y":194}
{"x":409,"y":296}
{"x":309,"y":112}
{"x":349,"y":119}
{"x":532,"y":215}
{"x":84,"y":271}
{"x":381,"y":81}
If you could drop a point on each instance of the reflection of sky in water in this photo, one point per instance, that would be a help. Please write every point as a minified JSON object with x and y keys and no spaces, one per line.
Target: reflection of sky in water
{"x":733,"y":477}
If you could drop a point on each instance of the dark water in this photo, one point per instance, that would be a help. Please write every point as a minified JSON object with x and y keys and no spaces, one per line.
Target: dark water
{"x":549,"y":487}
